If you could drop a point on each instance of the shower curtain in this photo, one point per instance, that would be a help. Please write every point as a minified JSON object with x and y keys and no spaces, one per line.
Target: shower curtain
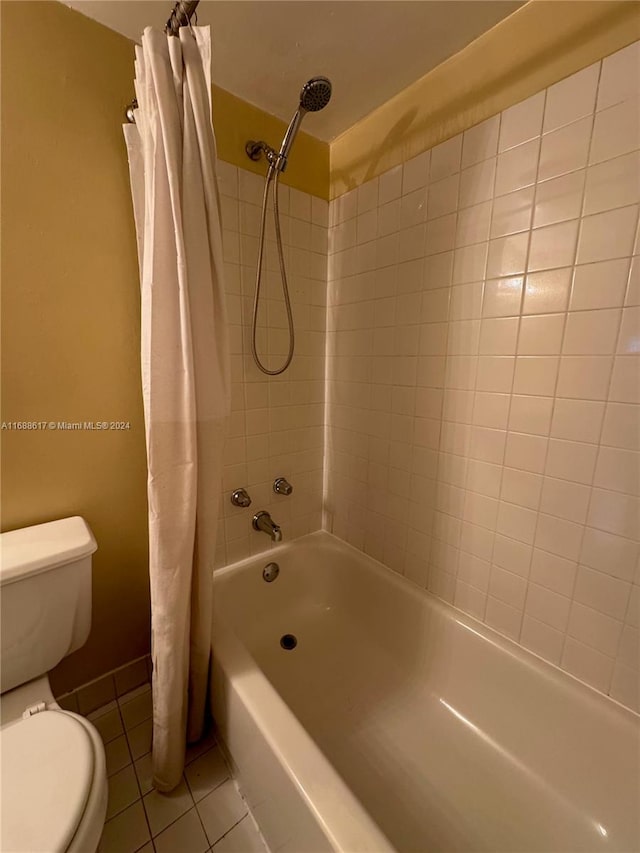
{"x":185,"y":382}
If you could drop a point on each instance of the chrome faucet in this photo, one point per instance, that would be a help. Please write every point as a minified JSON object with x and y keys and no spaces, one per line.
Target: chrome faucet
{"x":263,"y":521}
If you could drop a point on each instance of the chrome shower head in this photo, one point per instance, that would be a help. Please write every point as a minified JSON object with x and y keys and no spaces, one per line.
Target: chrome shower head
{"x":315,"y":94}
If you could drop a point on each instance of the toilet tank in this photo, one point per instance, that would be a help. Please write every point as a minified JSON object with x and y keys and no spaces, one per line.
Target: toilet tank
{"x":45,"y":597}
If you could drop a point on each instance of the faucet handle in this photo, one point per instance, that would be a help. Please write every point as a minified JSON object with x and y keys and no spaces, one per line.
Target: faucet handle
{"x":282,"y":486}
{"x":241,"y":498}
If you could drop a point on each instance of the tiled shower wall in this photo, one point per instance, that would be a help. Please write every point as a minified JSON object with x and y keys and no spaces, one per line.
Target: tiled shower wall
{"x":483,"y":383}
{"x":277,"y":423}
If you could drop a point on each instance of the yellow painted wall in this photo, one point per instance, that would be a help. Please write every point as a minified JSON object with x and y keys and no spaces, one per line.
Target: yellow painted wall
{"x":539,"y":44}
{"x":70,"y":310}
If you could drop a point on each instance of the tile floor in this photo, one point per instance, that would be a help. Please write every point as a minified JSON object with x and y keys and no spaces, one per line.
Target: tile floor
{"x":204,"y":813}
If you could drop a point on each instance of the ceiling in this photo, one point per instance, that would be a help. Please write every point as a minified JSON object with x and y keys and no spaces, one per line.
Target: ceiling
{"x":264,"y":50}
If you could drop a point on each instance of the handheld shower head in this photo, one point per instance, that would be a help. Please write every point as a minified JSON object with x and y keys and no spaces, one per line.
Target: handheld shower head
{"x":314,"y":96}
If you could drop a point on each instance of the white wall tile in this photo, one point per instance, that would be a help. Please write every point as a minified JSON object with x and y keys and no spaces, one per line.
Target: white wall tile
{"x":512,"y":213}
{"x":446,"y":158}
{"x":584,"y":377}
{"x":616,"y":131}
{"x":602,"y":592}
{"x":571,"y":98}
{"x":530,"y":414}
{"x":619,"y":79}
{"x":599,"y":285}
{"x":547,"y":291}
{"x":614,"y":183}
{"x":614,"y":512}
{"x":443,"y":196}
{"x":553,"y":572}
{"x":415,"y":172}
{"x":607,"y":235}
{"x":591,"y":332}
{"x":577,"y":420}
{"x":541,"y":334}
{"x":621,"y":426}
{"x":547,"y":606}
{"x":536,"y":375}
{"x":542,"y":639}
{"x":484,"y":357}
{"x":565,"y":500}
{"x":517,"y":167}
{"x":476,"y":183}
{"x":629,"y":338}
{"x":553,"y":246}
{"x":526,"y":452}
{"x":507,"y":255}
{"x":480,"y":142}
{"x":559,"y":199}
{"x":618,"y":469}
{"x":625,"y":380}
{"x":389,"y":185}
{"x":522,"y":122}
{"x":565,"y":150}
{"x":571,"y":460}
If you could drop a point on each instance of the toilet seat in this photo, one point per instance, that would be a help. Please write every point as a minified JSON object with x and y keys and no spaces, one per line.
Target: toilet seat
{"x":49,"y":768}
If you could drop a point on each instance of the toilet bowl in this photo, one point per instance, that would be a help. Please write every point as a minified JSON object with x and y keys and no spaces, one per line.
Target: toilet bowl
{"x":52,"y":761}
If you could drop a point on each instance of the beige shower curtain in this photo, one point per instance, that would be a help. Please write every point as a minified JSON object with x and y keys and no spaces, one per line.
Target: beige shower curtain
{"x":185,"y":381}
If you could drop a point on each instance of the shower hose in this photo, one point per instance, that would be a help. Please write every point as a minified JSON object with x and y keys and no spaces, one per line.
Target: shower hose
{"x":273,"y":175}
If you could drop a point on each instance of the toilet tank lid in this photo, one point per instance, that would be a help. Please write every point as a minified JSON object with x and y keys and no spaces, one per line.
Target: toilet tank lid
{"x":31,"y":550}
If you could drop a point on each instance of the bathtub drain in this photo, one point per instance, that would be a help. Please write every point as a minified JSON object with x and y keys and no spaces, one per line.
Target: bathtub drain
{"x":288,"y":641}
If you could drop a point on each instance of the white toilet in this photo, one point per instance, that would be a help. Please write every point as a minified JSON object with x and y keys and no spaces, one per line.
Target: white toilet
{"x":53,"y":773}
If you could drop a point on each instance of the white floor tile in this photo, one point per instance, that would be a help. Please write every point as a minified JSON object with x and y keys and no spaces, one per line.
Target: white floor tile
{"x":109,"y":725}
{"x":186,"y":835}
{"x":136,"y":710}
{"x":123,"y":791}
{"x":144,"y":773}
{"x":164,"y":809}
{"x":140,"y":739}
{"x":243,"y":838}
{"x":117,"y":755}
{"x":206,"y":773}
{"x":221,"y":810}
{"x":126,"y":832}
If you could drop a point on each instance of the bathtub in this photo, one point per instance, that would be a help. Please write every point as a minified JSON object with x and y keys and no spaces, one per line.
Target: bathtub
{"x":399,"y":723}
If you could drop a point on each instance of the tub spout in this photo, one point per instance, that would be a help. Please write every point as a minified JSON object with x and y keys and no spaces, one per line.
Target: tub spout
{"x":263,"y":521}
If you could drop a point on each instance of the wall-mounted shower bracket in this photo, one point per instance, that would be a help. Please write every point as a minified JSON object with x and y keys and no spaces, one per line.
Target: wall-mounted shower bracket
{"x":256,"y":149}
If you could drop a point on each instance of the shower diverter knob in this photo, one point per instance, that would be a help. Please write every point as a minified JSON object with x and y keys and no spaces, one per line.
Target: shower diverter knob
{"x":282,"y":487}
{"x":240,"y":498}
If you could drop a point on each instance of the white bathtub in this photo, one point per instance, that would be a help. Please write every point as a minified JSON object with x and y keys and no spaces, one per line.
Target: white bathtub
{"x":398,"y":723}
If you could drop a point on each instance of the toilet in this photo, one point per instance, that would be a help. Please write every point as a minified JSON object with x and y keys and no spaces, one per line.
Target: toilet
{"x":52,"y":761}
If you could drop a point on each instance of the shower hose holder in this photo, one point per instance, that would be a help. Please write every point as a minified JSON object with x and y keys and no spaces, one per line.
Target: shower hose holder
{"x":256,"y":149}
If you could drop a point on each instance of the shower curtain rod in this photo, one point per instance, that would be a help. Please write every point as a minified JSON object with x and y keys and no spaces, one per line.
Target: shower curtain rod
{"x":180,"y":16}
